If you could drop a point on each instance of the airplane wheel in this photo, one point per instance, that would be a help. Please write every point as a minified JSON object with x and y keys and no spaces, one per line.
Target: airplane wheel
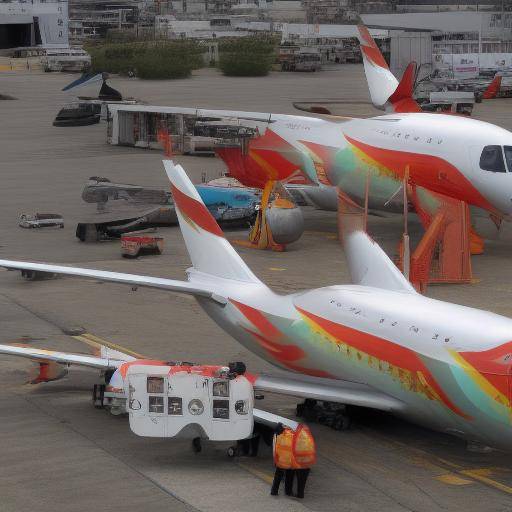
{"x":342,"y":422}
{"x":196,"y":444}
{"x":98,"y":391}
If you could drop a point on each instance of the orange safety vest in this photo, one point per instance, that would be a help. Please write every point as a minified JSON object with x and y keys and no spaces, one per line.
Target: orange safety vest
{"x":283,"y":449}
{"x":303,"y":448}
{"x":294,"y":450}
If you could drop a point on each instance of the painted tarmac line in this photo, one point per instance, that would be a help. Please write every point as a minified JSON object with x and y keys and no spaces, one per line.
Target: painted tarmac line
{"x":327,"y":234}
{"x":453,"y":479}
{"x":481,"y":474}
{"x":266,"y":477}
{"x":96,"y":341}
{"x":478,"y":475}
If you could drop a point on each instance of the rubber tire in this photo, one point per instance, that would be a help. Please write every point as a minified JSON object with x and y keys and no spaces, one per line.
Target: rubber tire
{"x":231,"y":452}
{"x":341,"y":422}
{"x":196,"y":445}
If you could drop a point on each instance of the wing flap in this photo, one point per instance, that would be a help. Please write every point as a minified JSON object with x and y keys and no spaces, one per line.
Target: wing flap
{"x":339,"y":391}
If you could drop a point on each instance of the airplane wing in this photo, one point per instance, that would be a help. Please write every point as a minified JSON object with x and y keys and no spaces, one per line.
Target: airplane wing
{"x":115,"y":277}
{"x":329,"y":390}
{"x":43,"y":355}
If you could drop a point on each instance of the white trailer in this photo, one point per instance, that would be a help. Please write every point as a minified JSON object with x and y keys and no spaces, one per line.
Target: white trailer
{"x":189,"y":402}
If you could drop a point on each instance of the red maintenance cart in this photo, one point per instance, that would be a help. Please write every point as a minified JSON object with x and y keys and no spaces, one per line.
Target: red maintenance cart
{"x":133,"y":246}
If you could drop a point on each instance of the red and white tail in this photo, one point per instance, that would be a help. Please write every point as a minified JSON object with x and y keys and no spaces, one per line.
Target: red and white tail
{"x":493,"y":88}
{"x":209,"y":250}
{"x":385,"y":90}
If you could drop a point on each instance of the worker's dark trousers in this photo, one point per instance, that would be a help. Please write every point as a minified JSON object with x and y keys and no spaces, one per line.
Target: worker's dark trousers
{"x":302,"y":476}
{"x":288,"y":481}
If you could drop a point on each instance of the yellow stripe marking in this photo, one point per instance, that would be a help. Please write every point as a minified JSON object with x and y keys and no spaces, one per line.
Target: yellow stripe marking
{"x":479,"y":474}
{"x":452,"y":479}
{"x":257,"y":473}
{"x":96,"y":341}
{"x":482,"y":476}
{"x":482,"y":382}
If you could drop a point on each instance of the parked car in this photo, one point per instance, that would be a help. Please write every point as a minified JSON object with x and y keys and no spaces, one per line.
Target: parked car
{"x":41,"y":220}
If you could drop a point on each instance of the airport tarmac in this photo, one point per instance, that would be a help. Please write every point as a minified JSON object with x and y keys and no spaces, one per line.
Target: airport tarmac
{"x":59,"y":453}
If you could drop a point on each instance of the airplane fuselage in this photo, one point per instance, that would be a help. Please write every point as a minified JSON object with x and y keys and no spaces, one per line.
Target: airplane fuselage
{"x":441,"y":154}
{"x":455,"y":378}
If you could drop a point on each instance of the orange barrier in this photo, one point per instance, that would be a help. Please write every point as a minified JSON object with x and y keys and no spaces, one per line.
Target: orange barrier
{"x":260,"y":236}
{"x":443,"y":254}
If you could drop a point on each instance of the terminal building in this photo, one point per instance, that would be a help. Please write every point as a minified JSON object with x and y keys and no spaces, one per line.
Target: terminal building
{"x":34,"y":23}
{"x":456,"y":41}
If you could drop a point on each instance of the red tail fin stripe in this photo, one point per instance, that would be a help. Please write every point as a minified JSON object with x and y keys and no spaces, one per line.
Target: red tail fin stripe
{"x":374,"y":56}
{"x":366,"y":36}
{"x":196,"y":212}
{"x":370,"y":49}
{"x":402,"y":99}
{"x":493,"y":88}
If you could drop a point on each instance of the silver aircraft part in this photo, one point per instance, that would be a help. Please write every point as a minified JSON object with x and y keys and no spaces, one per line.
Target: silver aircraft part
{"x":272,"y":420}
{"x":329,"y":390}
{"x":286,"y":224}
{"x":322,"y":198}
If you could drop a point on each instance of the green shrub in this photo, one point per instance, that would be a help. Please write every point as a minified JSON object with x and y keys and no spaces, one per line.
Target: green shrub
{"x":150,"y":60}
{"x":247,"y":56}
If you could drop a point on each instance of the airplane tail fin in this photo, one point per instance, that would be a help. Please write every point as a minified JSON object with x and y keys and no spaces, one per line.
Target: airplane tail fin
{"x":493,"y":88}
{"x":209,"y":250}
{"x":385,"y":90}
{"x":401,"y":100}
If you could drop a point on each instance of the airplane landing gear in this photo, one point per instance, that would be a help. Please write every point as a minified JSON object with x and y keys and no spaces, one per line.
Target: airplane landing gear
{"x":98,"y":396}
{"x":196,"y":444}
{"x":329,"y":414}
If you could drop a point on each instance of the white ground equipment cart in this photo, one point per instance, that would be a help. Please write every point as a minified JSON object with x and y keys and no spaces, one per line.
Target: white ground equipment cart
{"x":208,"y":402}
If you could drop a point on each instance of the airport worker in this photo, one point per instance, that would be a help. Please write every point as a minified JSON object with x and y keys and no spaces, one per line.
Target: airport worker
{"x":283,"y":440}
{"x":303,"y":457}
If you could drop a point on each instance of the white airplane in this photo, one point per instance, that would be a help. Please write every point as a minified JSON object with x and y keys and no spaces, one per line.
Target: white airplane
{"x":375,"y":343}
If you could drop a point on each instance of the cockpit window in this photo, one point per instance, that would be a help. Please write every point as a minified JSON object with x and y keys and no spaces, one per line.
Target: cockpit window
{"x":492,"y":159}
{"x":508,"y":157}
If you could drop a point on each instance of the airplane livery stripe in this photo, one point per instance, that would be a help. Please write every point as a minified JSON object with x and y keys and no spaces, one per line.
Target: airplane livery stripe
{"x":374,"y":56}
{"x":431,"y":172}
{"x":385,"y":351}
{"x":370,"y":48}
{"x":271,"y":340}
{"x":195,"y":211}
